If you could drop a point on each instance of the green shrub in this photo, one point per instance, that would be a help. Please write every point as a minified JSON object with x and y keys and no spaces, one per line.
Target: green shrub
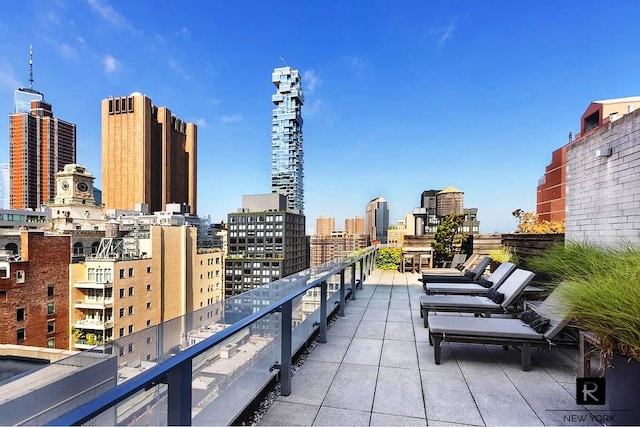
{"x":504,"y":254}
{"x":389,"y":258}
{"x":601,"y":289}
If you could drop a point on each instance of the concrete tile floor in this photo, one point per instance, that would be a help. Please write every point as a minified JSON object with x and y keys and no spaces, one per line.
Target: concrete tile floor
{"x":377,"y":368}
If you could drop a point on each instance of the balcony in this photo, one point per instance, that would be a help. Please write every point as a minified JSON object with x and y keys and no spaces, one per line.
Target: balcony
{"x":372,"y":366}
{"x":92,"y":285}
{"x":97,"y":303}
{"x":94,"y":324}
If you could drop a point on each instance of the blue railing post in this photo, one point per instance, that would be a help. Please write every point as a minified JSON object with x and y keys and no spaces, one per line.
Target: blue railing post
{"x":322,"y":338}
{"x":361,"y":272}
{"x":353,"y":281}
{"x":285,"y":349}
{"x":342,"y":292}
{"x":179,"y":380}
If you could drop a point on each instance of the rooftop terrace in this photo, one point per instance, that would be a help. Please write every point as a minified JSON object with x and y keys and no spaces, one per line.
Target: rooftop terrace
{"x":377,"y":368}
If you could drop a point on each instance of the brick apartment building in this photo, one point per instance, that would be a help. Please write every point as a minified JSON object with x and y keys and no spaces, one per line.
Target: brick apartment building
{"x":34,"y":292}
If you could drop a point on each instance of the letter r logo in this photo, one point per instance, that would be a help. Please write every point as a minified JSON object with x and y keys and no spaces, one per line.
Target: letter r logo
{"x":590,"y":391}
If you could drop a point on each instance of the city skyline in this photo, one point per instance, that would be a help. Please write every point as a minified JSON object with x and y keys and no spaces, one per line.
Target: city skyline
{"x":398,"y":100}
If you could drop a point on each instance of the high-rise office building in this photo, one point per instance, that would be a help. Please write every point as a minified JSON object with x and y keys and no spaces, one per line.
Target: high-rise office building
{"x":5,"y":191}
{"x":39,"y":146}
{"x":286,"y":138}
{"x":376,"y":222}
{"x":354,"y":225}
{"x":148,"y":156}
{"x":324,"y":226}
{"x":266,"y":242}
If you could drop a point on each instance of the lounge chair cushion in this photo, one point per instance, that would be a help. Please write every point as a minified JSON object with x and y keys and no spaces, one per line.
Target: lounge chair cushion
{"x":495,"y":296}
{"x":485,"y":283}
{"x":492,"y":327}
{"x":462,"y":302}
{"x":535,"y":321}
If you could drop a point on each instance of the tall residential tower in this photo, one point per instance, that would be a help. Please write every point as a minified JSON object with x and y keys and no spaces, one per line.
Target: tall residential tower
{"x":148,"y":155}
{"x":376,"y":221}
{"x":286,"y":138}
{"x":39,"y":147}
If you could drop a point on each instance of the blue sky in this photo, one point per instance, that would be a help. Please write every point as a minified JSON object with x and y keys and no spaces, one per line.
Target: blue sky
{"x":401,"y":96}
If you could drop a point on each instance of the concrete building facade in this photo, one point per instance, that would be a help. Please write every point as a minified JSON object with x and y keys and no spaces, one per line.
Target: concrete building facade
{"x":603,"y":180}
{"x":324,"y":226}
{"x":39,"y":146}
{"x":34,"y":292}
{"x":551,"y":191}
{"x":354,"y":225}
{"x":149,"y":156}
{"x":287,"y":164}
{"x":329,"y":248}
{"x":264,"y":244}
{"x":376,"y":220}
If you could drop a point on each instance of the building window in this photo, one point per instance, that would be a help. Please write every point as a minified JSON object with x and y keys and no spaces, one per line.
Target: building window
{"x":121,"y":332}
{"x":148,"y":340}
{"x":148,"y":305}
{"x":148,"y":323}
{"x":130,"y":310}
{"x":122,"y":312}
{"x":121,"y":351}
{"x":122,"y":273}
{"x":130,"y":347}
{"x":122,"y":293}
{"x":20,"y":334}
{"x":51,"y":343}
{"x":50,"y":308}
{"x":148,"y":269}
{"x":50,"y":289}
{"x":20,"y":276}
{"x":20,"y":315}
{"x":148,"y":287}
{"x":130,"y":291}
{"x":131,"y":272}
{"x":78,"y":249}
{"x":51,"y":326}
{"x":91,"y":274}
{"x":130,"y":329}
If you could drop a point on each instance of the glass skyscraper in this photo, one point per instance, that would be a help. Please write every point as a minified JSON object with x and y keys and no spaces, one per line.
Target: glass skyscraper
{"x":286,"y":138}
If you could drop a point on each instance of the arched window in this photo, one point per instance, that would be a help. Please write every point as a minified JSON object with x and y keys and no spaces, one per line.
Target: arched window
{"x":78,"y":249}
{"x":12,"y":247}
{"x":94,"y":247}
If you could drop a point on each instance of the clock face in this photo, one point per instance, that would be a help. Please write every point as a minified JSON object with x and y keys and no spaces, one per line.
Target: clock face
{"x":82,"y":187}
{"x":65,"y":186}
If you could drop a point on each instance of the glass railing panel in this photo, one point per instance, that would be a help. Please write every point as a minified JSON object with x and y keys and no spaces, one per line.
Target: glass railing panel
{"x":145,"y":408}
{"x":227,"y":377}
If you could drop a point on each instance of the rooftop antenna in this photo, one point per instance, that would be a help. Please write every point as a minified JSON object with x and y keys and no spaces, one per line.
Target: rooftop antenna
{"x":570,"y":135}
{"x":283,"y":61}
{"x":31,"y":67}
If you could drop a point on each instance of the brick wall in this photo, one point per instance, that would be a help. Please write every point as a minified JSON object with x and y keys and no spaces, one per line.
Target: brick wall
{"x":603,"y":193}
{"x":45,"y":261}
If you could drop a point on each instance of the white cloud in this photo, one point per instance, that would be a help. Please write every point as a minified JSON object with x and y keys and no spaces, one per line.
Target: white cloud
{"x":184,"y":33}
{"x":80,"y":40}
{"x":314,"y":108}
{"x":356,"y":63}
{"x":111,"y":15}
{"x":215,"y":101}
{"x":445,"y":33}
{"x":310,"y":80}
{"x":201,"y":122}
{"x":111,"y":64}
{"x":233,"y":118}
{"x":67,"y":50}
{"x":8,"y":79}
{"x":53,"y":17}
{"x":175,"y":66}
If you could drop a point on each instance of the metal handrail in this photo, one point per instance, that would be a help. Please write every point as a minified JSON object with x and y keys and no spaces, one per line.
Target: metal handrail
{"x":175,"y":366}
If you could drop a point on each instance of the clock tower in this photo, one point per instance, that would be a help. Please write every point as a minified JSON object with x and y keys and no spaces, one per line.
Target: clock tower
{"x":74,"y":186}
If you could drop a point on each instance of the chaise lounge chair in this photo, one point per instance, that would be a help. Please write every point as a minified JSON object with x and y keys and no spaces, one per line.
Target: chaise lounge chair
{"x":502,"y":331}
{"x":455,"y":269}
{"x":492,"y":281}
{"x":508,"y":294}
{"x":467,"y":276}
